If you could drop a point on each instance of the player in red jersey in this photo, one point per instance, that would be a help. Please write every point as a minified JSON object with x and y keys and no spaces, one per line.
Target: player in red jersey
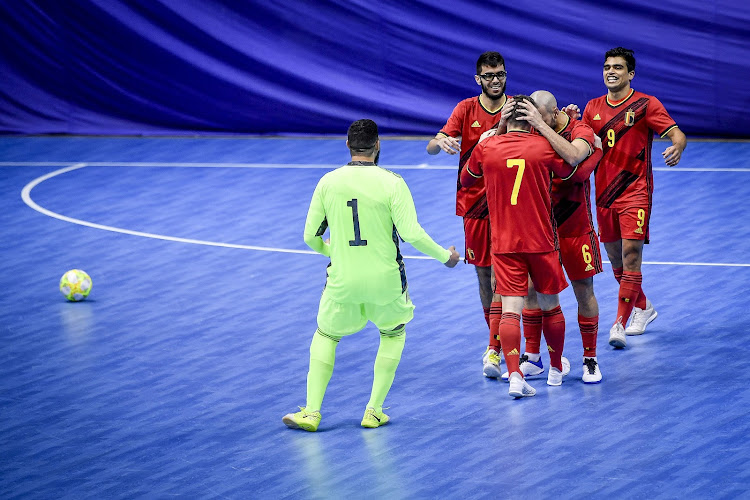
{"x":516,"y":168}
{"x":470,"y":118}
{"x":626,"y":121}
{"x":576,"y":143}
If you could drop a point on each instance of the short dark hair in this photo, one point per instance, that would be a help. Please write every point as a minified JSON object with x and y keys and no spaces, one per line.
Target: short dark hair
{"x":516,"y":112}
{"x":626,"y":54}
{"x":362,"y":136}
{"x":491,"y":59}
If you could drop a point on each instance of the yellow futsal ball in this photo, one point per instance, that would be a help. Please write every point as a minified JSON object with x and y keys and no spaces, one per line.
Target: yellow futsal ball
{"x":75,"y":285}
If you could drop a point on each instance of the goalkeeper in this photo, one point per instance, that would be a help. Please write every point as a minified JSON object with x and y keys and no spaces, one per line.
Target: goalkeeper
{"x":366,"y":209}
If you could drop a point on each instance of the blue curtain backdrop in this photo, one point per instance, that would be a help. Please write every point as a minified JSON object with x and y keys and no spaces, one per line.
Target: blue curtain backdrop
{"x":312,"y":67}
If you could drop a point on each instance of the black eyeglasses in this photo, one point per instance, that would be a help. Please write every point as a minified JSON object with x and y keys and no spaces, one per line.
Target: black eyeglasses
{"x":488,"y":77}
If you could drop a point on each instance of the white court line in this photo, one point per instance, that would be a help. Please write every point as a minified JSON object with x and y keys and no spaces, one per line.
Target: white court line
{"x":421,"y":166}
{"x":26,"y":196}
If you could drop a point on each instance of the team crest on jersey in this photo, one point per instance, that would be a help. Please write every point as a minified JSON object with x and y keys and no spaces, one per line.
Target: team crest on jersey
{"x":597,"y":117}
{"x":476,"y":124}
{"x":470,"y":253}
{"x":630,"y":117}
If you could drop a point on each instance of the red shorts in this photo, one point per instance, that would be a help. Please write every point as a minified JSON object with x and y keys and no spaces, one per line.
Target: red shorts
{"x":512,"y":272}
{"x":581,"y":257}
{"x":477,"y":237}
{"x":629,"y":223}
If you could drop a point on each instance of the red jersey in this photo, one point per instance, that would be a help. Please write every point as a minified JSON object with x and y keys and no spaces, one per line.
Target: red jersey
{"x":571,"y":201}
{"x":624,"y":176}
{"x":516,"y":169}
{"x":469,"y":120}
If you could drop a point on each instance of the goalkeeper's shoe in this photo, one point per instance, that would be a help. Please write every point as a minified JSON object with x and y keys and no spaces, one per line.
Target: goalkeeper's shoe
{"x":374,"y":418}
{"x":303,"y":419}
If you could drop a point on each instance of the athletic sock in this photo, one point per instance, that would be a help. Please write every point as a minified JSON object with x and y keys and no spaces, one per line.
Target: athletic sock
{"x":618,"y":273}
{"x":496,"y":313}
{"x":553,"y":325}
{"x":589,"y":330}
{"x":487,"y":316}
{"x":510,"y":337}
{"x":640,"y":302}
{"x":532,"y":330}
{"x":386,"y":362}
{"x":322,"y":358}
{"x":630,"y":288}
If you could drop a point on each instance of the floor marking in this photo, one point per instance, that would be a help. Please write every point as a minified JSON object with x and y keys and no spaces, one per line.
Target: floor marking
{"x":26,"y":196}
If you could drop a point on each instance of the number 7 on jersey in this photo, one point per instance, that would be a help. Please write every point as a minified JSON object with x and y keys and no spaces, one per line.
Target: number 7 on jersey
{"x":521,"y":164}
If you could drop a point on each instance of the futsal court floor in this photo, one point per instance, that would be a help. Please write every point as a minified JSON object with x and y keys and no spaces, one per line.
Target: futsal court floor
{"x":171,"y":379}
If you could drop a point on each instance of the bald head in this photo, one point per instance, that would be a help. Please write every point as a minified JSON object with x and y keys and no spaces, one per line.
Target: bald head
{"x":547,"y":106}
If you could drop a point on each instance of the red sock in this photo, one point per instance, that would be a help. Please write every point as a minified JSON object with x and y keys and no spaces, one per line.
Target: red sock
{"x":510,"y":336}
{"x":532,"y":329}
{"x":553,"y":324}
{"x":630,"y":288}
{"x":640,"y":302}
{"x":589,"y":329}
{"x":618,"y":273}
{"x":496,"y":313}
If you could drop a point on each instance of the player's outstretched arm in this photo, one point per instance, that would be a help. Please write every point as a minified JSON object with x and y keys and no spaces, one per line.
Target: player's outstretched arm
{"x":442,"y":142}
{"x":454,"y":258}
{"x":673,"y":153}
{"x":404,"y":216}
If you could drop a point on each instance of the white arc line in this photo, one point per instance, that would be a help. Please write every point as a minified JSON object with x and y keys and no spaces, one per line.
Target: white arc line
{"x":26,"y":196}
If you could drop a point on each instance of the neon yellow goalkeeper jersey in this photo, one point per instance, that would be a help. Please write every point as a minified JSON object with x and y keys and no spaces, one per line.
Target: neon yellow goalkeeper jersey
{"x":366,"y":208}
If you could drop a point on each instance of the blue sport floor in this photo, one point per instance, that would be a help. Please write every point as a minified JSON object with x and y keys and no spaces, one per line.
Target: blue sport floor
{"x":172,"y":378}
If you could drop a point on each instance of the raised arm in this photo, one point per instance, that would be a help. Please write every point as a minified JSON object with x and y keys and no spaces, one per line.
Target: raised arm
{"x":572,"y":152}
{"x":451,"y":145}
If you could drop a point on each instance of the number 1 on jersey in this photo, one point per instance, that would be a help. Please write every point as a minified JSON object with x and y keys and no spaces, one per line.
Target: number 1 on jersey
{"x":521,"y":164}
{"x":357,"y":241}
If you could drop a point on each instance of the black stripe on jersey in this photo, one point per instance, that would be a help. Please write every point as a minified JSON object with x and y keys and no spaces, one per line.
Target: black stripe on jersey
{"x":322,"y":229}
{"x":617,"y":123}
{"x":399,"y":260}
{"x":564,"y":209}
{"x":479,"y":210}
{"x":641,"y":156}
{"x":594,"y":247}
{"x":616,"y":188}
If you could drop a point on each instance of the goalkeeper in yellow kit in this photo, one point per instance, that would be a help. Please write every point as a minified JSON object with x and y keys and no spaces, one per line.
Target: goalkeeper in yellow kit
{"x":366,"y":208}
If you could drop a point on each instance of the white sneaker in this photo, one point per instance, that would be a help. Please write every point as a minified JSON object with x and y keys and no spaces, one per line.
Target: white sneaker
{"x":591,"y":373}
{"x":640,"y":319}
{"x":555,"y":376}
{"x":519,"y":388}
{"x":530,"y":368}
{"x":617,"y":336}
{"x":491,"y":363}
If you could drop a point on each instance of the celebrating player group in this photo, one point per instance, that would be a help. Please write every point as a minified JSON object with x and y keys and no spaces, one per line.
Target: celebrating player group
{"x":534,"y":199}
{"x":524,"y":192}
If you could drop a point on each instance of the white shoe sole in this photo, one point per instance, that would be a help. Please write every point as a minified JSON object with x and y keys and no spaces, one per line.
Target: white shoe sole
{"x":491,"y":371}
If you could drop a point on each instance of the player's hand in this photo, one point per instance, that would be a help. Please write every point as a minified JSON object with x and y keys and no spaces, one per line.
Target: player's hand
{"x":454,"y":258}
{"x":488,"y":133}
{"x":451,"y":145}
{"x":672,"y":155}
{"x":505,"y":112}
{"x":573,"y":111}
{"x":530,"y":114}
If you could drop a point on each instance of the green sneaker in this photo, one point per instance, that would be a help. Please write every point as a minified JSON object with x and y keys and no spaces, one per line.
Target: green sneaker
{"x":303,"y":419}
{"x":374,"y":418}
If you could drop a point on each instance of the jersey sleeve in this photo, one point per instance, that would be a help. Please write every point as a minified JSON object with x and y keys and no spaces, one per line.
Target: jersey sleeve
{"x":316,"y":223}
{"x":587,"y":117}
{"x":473,"y":169}
{"x":405,"y":219}
{"x":583,"y":132}
{"x":658,"y":119}
{"x":454,"y":125}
